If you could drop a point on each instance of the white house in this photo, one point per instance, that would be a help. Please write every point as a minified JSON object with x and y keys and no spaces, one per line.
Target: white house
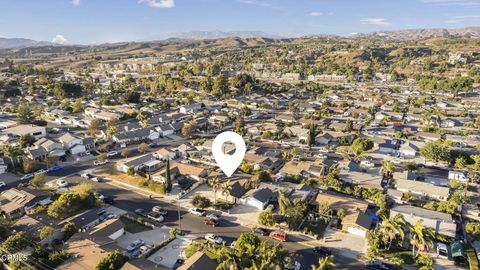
{"x":258,"y":198}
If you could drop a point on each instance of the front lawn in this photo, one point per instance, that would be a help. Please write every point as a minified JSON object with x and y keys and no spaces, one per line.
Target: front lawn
{"x":132,"y":226}
{"x":316,"y":227}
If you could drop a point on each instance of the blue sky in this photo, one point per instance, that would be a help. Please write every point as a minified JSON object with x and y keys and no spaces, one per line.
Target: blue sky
{"x":98,"y":21}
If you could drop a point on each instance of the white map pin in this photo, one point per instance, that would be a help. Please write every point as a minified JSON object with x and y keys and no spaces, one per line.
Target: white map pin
{"x":228,"y":163}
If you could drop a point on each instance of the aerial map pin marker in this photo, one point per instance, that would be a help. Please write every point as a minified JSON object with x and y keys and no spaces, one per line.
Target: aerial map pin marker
{"x":228,"y":163}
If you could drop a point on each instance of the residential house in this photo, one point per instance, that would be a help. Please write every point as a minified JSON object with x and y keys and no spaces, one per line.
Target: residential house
{"x":422,"y":190}
{"x":258,"y":198}
{"x":84,"y":220}
{"x":333,"y":138}
{"x":198,"y":261}
{"x":72,"y":143}
{"x":303,"y":168}
{"x":263,"y":163}
{"x":440,"y":223}
{"x":3,"y":166}
{"x":15,"y":202}
{"x":35,"y":131}
{"x":389,"y":146}
{"x":354,"y":173}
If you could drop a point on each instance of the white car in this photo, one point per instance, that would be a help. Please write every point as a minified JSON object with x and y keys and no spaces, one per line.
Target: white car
{"x":40,"y":172}
{"x":62,"y":183}
{"x":97,"y":179}
{"x":112,"y":153}
{"x":86,"y":175}
{"x":99,"y":163}
{"x":27,"y":177}
{"x":155,"y":216}
{"x":213,"y":217}
{"x":197,"y":212}
{"x":210,"y":237}
{"x":2,"y":184}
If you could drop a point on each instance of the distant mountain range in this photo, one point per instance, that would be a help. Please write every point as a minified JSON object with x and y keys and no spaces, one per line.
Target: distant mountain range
{"x":409,"y":34}
{"x":7,"y":43}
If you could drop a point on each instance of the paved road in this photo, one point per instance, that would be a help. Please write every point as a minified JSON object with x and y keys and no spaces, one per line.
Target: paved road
{"x":129,"y":201}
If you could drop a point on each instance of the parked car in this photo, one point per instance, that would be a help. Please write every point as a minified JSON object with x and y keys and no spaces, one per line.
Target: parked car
{"x":178,"y":263}
{"x":142,"y":212}
{"x":279,"y":235}
{"x":232,"y":245}
{"x":155,"y":216}
{"x":213,"y":217}
{"x":291,"y":264}
{"x":26,"y":177}
{"x":97,"y":179}
{"x":112,"y":154}
{"x":106,"y":216}
{"x":135,"y":244}
{"x":55,"y":168}
{"x":40,"y":172}
{"x":86,"y":175}
{"x":2,"y":184}
{"x":99,"y":163}
{"x":259,"y":230}
{"x":159,"y":210}
{"x":211,"y":222}
{"x":62,"y":183}
{"x":109,"y":199}
{"x":323,"y":252}
{"x":210,"y":237}
{"x":197,"y":212}
{"x":101,"y":211}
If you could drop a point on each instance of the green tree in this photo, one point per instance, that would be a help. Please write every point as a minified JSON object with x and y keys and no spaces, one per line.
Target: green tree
{"x":473,"y":229}
{"x":460,"y":162}
{"x":77,"y":106}
{"x":388,"y":168}
{"x":172,"y":232}
{"x":325,"y":263}
{"x":201,"y":202}
{"x":425,"y":262}
{"x":391,"y":229}
{"x":265,"y":218}
{"x":226,"y":188}
{"x":113,"y":261}
{"x":421,"y":237}
{"x":311,"y":139}
{"x":131,"y":171}
{"x":38,"y":181}
{"x":435,"y":151}
{"x":142,"y":148}
{"x":247,"y":241}
{"x":220,"y":86}
{"x":68,"y":230}
{"x":360,"y":145}
{"x":46,"y":232}
{"x":24,"y":114}
{"x":325,"y":212}
{"x":16,"y":242}
{"x":125,"y":152}
{"x":26,"y":140}
{"x":215,"y":185}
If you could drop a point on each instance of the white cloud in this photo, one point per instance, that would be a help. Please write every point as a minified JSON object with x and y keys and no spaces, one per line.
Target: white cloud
{"x":315,"y":14}
{"x":453,"y":2}
{"x":159,"y":3}
{"x":375,"y":21}
{"x":60,"y":39}
{"x":76,"y":2}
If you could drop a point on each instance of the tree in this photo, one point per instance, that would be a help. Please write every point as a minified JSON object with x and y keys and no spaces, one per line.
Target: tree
{"x":24,"y":114}
{"x":215,"y":185}
{"x":239,"y":125}
{"x":77,"y":106}
{"x":348,"y":126}
{"x":425,"y":261}
{"x":102,"y":157}
{"x":265,"y":218}
{"x":325,"y":211}
{"x":38,"y":181}
{"x":245,"y":167}
{"x":435,"y":151}
{"x":11,"y":152}
{"x":460,"y":162}
{"x":113,"y":261}
{"x":341,"y":213}
{"x":201,"y":202}
{"x":168,"y":178}
{"x":16,"y":242}
{"x":283,"y":202}
{"x":420,"y":237}
{"x":131,"y":171}
{"x":220,"y":86}
{"x":187,"y":130}
{"x":312,"y":133}
{"x":247,"y":241}
{"x":388,"y":168}
{"x":473,"y":229}
{"x":392,"y":228}
{"x":476,"y":159}
{"x":172,"y":232}
{"x":26,"y":140}
{"x":360,"y":145}
{"x":325,"y":263}
{"x":94,"y":127}
{"x":226,"y":188}
{"x":68,"y":230}
{"x":125,"y":152}
{"x":46,"y":232}
{"x":142,"y":148}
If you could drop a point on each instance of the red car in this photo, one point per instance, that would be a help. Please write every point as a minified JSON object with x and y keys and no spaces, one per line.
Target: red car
{"x":279,"y":235}
{"x":211,"y":222}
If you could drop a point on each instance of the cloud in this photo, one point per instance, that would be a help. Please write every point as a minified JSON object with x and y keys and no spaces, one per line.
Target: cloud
{"x":159,"y":3}
{"x":453,"y":2}
{"x":315,"y":14}
{"x":76,"y":2}
{"x":60,"y":39}
{"x":375,"y":21}
{"x":258,"y":3}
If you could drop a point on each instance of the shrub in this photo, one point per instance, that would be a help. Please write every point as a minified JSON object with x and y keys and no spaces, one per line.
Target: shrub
{"x":201,"y":202}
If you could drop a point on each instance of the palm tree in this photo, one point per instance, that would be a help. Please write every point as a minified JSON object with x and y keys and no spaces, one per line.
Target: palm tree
{"x":226,"y":188}
{"x":325,"y":263}
{"x":391,"y":228}
{"x":215,"y":184}
{"x":12,"y":153}
{"x":388,"y":168}
{"x":421,"y":237}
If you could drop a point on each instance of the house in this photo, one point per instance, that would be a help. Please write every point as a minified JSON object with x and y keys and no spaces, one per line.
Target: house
{"x":262,"y":162}
{"x":72,"y":143}
{"x":352,"y":172}
{"x":258,"y":198}
{"x":193,"y":171}
{"x":147,"y":162}
{"x":356,"y":221}
{"x":29,"y":225}
{"x":389,"y":146}
{"x":422,"y":190}
{"x":15,"y":202}
{"x":333,"y":138}
{"x":303,"y":168}
{"x":136,"y":135}
{"x":410,"y":149}
{"x":192,"y":108}
{"x":107,"y":231}
{"x":299,"y":132}
{"x":35,"y":131}
{"x":164,"y":154}
{"x":199,"y":261}
{"x":441,"y":223}
{"x":84,"y":220}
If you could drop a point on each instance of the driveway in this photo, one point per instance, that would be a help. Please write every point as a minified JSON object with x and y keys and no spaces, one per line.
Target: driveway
{"x":349,"y":245}
{"x":168,"y":255}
